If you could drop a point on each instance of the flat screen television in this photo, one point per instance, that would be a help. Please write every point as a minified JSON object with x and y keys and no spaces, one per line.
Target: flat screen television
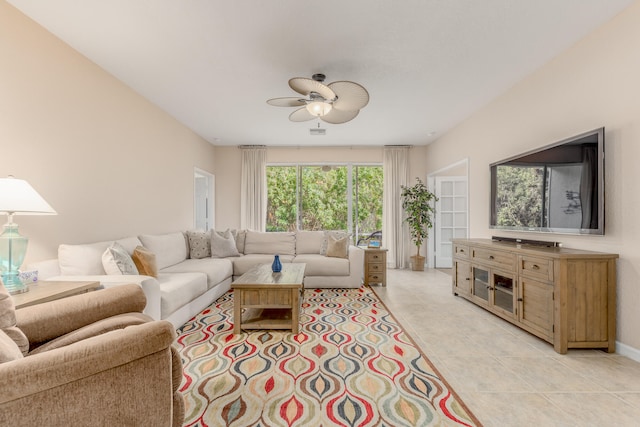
{"x":558,"y":188}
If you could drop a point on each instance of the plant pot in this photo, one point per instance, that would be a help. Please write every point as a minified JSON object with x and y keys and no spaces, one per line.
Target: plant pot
{"x":417,"y":263}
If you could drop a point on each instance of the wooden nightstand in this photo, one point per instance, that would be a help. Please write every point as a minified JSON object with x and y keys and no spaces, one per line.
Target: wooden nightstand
{"x":375,"y":266}
{"x":44,"y":291}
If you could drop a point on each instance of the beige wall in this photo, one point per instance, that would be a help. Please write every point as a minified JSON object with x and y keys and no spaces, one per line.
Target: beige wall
{"x":593,"y":84}
{"x":228,"y":165}
{"x":107,"y":160}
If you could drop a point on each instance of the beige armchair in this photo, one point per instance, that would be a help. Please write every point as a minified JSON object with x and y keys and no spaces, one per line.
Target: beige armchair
{"x":92,"y":360}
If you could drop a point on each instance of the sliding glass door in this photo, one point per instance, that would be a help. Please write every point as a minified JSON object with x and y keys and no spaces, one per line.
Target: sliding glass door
{"x":325,"y":197}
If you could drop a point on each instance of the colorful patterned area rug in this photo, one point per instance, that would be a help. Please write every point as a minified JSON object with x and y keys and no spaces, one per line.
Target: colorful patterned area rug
{"x":352,"y":364}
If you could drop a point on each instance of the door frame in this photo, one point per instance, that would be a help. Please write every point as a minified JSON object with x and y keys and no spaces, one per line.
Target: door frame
{"x":431,"y":185}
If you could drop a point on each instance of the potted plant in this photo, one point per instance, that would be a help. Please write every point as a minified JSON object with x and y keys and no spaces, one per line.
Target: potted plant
{"x":417,"y":202}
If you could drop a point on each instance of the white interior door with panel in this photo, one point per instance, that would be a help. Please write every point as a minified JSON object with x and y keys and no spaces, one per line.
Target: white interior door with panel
{"x":203,"y":199}
{"x":452,"y":216}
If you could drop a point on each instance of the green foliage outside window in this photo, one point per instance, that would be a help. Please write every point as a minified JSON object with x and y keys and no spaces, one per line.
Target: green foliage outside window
{"x":322,"y":195}
{"x":281,"y":198}
{"x":368,"y":186}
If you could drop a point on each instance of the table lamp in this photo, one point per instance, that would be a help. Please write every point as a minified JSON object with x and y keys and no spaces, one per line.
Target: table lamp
{"x":17,"y":197}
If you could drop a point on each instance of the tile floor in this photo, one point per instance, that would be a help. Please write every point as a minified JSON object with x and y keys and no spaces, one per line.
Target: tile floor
{"x":506,"y":376}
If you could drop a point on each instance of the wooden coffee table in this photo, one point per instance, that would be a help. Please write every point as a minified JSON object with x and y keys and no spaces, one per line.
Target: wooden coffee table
{"x":266,"y":300}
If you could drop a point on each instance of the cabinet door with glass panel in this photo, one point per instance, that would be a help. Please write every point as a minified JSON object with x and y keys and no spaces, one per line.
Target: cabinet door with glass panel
{"x":494,"y":289}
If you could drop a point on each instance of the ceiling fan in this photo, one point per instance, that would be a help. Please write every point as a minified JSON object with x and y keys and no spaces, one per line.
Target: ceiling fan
{"x":335,"y":103}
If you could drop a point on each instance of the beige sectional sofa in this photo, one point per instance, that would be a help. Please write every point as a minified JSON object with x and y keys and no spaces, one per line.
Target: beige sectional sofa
{"x":184,"y":285}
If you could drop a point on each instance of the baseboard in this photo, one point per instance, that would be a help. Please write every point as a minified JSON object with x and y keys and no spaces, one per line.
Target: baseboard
{"x":627,"y":351}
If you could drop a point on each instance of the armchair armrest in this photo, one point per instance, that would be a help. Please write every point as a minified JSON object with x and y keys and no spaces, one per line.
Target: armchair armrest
{"x":83,"y":382}
{"x":356,"y":262}
{"x":149,"y":285}
{"x":43,"y":322}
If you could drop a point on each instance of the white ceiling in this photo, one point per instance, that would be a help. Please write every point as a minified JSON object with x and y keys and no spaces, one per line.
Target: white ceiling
{"x":427,"y":64}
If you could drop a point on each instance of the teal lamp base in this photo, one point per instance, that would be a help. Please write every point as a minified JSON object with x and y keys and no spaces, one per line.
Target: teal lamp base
{"x":13,"y":248}
{"x":13,"y":284}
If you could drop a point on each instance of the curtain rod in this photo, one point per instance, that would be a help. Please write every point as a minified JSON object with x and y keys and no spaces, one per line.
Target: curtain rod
{"x":342,"y":147}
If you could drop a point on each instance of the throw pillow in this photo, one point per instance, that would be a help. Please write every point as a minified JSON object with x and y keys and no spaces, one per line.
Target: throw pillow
{"x":240,"y":236}
{"x":116,"y":260}
{"x":82,"y":260}
{"x":199,"y":244}
{"x":8,"y":321}
{"x":338,"y":248}
{"x":223,"y":244}
{"x":145,"y":260}
{"x":325,"y":241}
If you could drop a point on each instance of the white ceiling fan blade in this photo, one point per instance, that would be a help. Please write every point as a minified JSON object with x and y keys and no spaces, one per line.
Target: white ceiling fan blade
{"x":301,"y":115}
{"x":306,"y":86}
{"x":286,"y":102}
{"x":336,"y":116}
{"x":351,"y":96}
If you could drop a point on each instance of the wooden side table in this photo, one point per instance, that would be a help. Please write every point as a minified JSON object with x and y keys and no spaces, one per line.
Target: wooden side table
{"x":375,"y":266}
{"x":44,"y":291}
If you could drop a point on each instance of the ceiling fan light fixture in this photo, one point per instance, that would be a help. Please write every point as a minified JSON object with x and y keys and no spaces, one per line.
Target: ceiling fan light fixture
{"x":319,"y":108}
{"x":335,"y":103}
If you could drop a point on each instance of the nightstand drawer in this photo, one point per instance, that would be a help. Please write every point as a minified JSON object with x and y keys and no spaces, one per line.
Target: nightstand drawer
{"x":377,"y":278}
{"x":376,"y":267}
{"x":373,"y":256}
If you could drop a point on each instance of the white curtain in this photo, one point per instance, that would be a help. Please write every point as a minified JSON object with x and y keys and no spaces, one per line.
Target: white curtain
{"x":253,"y":193}
{"x":395,"y":234}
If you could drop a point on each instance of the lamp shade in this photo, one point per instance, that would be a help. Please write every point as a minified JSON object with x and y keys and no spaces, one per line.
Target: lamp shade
{"x":18,"y":197}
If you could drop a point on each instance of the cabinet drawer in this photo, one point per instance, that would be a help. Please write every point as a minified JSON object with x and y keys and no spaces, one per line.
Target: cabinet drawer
{"x":375,"y":267}
{"x":461,"y":251}
{"x":501,"y":259}
{"x":536,"y":268}
{"x":376,"y":278}
{"x":375,"y":256}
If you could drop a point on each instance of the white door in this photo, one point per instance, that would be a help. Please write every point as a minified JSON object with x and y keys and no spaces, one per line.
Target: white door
{"x":452,"y":216}
{"x":203,"y":190}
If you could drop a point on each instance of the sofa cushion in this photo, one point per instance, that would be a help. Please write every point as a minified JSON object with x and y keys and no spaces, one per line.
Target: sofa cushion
{"x":244,"y":263}
{"x":145,"y":261}
{"x":216,"y":269}
{"x":309,"y":242}
{"x":320,"y":265}
{"x":223,"y":244}
{"x":116,"y":260}
{"x":170,"y":248}
{"x":8,"y":322}
{"x":199,"y":244}
{"x":337,"y":248}
{"x":82,"y":260}
{"x":178,"y":289}
{"x":325,"y":240}
{"x":281,"y":243}
{"x":129,"y":243}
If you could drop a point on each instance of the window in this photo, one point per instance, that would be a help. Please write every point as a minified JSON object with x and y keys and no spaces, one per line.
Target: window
{"x":331,"y":197}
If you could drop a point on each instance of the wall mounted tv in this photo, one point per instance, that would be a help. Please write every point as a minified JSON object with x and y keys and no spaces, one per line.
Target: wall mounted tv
{"x":558,"y":188}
